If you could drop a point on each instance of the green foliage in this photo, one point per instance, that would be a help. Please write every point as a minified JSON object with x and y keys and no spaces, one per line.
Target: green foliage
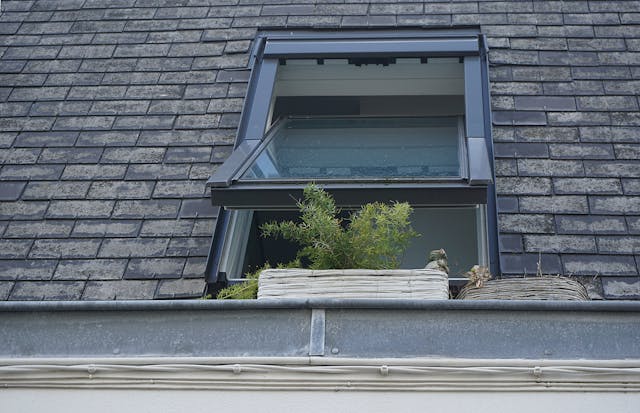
{"x":249,"y":288}
{"x":375,"y":236}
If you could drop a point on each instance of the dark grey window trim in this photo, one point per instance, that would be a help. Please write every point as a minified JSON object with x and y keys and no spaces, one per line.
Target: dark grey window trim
{"x":272,"y":46}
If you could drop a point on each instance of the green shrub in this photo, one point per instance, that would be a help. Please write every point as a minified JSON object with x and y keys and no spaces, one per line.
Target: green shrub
{"x":374,"y":237}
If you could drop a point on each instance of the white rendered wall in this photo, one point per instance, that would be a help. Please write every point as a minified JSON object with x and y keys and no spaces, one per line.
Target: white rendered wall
{"x":195,"y":401}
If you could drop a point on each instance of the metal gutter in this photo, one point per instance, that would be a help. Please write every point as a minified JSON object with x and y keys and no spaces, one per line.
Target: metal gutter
{"x":391,"y":304}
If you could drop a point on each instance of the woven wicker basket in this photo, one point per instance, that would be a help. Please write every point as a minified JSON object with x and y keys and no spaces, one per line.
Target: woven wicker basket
{"x":356,"y":283}
{"x":532,"y":288}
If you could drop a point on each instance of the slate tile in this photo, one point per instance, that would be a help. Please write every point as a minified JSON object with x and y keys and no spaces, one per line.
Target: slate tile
{"x":619,"y":244}
{"x":64,"y":248}
{"x":557,"y":204}
{"x":31,"y":52}
{"x":133,"y":247}
{"x":178,"y":107}
{"x":45,"y":139}
{"x":107,"y":138}
{"x":133,"y":155}
{"x":38,"y":229}
{"x":97,"y":26}
{"x":27,"y":269}
{"x":80,"y":209}
{"x":52,"y":66}
{"x":11,"y":191}
{"x":507,"y":204}
{"x":120,"y":190}
{"x":196,"y":49}
{"x":40,"y":28}
{"x":155,"y":92}
{"x":59,"y":108}
{"x":89,"y":93}
{"x":589,"y":185}
{"x":90,"y":269}
{"x":235,"y":61}
{"x":31,"y":94}
{"x":550,"y":167}
{"x":47,"y":290}
{"x":19,"y":156}
{"x":158,"y":171}
{"x":73,"y":79}
{"x":142,"y":50}
{"x":180,"y":189}
{"x":14,"y":248}
{"x":217,"y":90}
{"x":182,"y":36}
{"x":22,"y":210}
{"x":198,"y":208}
{"x":147,"y":209}
{"x":30,"y":172}
{"x":119,"y":38}
{"x":120,"y":290}
{"x":119,"y":107}
{"x":206,"y":121}
{"x":524,"y":150}
{"x":154,"y":268}
{"x":182,"y":288}
{"x":607,"y":103}
{"x":167,"y":228}
{"x":7,"y":139}
{"x":70,"y":155}
{"x":610,"y":134}
{"x":202,"y":77}
{"x":230,"y":76}
{"x":601,"y":265}
{"x":543,"y":73}
{"x":229,"y":34}
{"x":195,"y":267}
{"x":631,"y":186}
{"x":526,"y":223}
{"x":582,"y":151}
{"x":163,"y":64}
{"x":109,"y":65}
{"x":188,"y":247}
{"x":511,"y":243}
{"x":87,"y":52}
{"x":93,"y":172}
{"x":615,"y":205}
{"x":84,"y":123}
{"x":5,"y":289}
{"x":574,"y":88}
{"x":600,"y":73}
{"x":138,"y":78}
{"x":590,"y":224}
{"x":106,"y":228}
{"x":523,"y":186}
{"x":23,"y":80}
{"x":627,"y":169}
{"x":149,"y":25}
{"x":527,"y":264}
{"x":621,"y":288}
{"x":187,"y":154}
{"x":144,"y":122}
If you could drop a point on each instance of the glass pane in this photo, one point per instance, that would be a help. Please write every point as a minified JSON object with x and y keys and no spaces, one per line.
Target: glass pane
{"x":323,"y":148}
{"x":455,"y":229}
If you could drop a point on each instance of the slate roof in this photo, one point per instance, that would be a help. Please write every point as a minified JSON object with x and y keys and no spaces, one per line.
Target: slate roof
{"x":115,"y":113}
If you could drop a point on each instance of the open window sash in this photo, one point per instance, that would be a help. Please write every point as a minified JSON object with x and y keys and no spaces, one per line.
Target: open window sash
{"x":421,"y":160}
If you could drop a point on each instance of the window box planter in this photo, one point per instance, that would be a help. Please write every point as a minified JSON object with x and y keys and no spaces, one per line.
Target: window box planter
{"x":353,"y":283}
{"x":532,"y":288}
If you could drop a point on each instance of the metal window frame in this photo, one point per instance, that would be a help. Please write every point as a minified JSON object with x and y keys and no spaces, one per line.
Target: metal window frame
{"x":270,"y":47}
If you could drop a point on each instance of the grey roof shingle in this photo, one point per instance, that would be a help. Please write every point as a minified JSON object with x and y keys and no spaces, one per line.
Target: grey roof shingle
{"x":113,"y":114}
